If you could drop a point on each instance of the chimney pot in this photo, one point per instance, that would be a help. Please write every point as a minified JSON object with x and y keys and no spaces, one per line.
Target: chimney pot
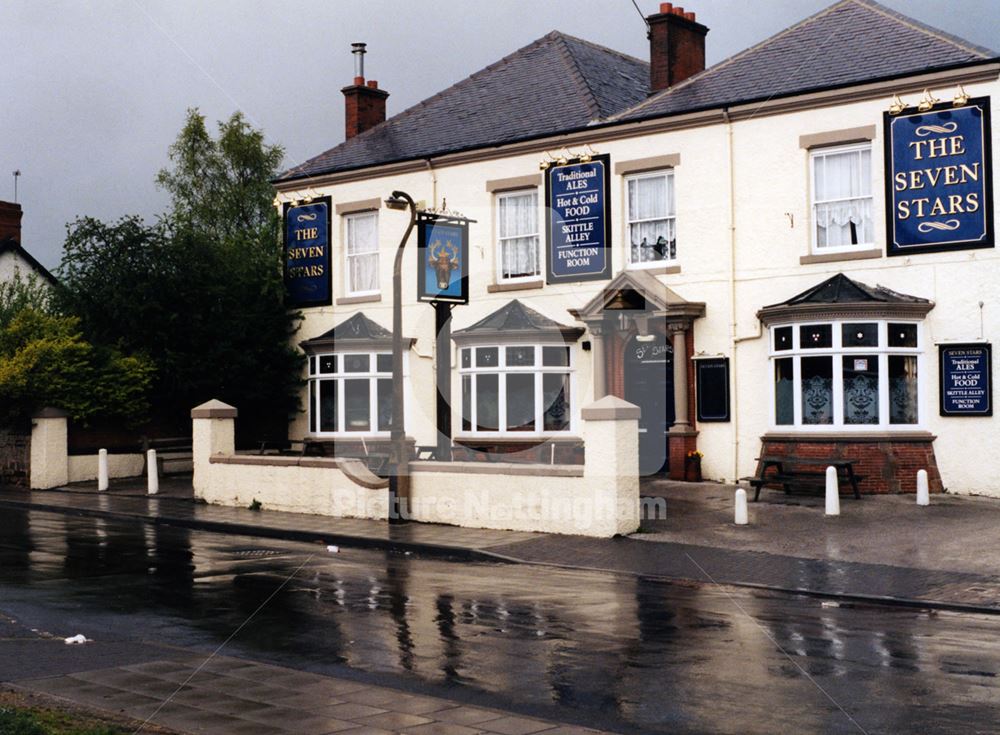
{"x":372,"y":83}
{"x":676,"y":46}
{"x":359,"y":81}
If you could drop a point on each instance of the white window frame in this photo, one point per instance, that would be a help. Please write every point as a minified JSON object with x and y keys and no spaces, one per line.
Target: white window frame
{"x":498,"y":197}
{"x":815,"y":153}
{"x":502,"y":370}
{"x":348,"y":290}
{"x":836,"y":353}
{"x":629,"y":221}
{"x":373,"y":375}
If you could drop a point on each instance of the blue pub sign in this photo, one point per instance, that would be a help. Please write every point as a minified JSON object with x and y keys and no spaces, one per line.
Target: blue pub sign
{"x":578,"y":220}
{"x":966,"y":379}
{"x":443,"y":264}
{"x":307,"y":253}
{"x":938,"y":179}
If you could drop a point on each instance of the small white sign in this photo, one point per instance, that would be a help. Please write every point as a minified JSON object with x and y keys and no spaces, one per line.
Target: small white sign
{"x":861,"y":365}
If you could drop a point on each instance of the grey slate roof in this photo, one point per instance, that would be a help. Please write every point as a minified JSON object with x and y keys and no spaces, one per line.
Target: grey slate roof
{"x":840,"y":289}
{"x":561,"y":83}
{"x":514,"y":320}
{"x":555,"y":83}
{"x":357,"y":330}
{"x":850,"y":42}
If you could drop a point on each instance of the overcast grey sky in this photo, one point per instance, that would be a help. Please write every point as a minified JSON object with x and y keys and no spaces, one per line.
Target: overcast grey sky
{"x":95,"y":91}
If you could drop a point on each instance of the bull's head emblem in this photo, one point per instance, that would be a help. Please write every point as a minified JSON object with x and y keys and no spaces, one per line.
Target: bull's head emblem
{"x":443,"y":259}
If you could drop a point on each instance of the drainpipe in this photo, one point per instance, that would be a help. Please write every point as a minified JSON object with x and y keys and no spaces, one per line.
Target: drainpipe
{"x":434,"y":183}
{"x":734,"y":345}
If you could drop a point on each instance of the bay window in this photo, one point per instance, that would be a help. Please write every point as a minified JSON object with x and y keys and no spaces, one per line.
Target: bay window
{"x":516,"y":389}
{"x":842,"y":197}
{"x":651,"y":219}
{"x":350,"y":393}
{"x":517,"y":235}
{"x":846,"y":375}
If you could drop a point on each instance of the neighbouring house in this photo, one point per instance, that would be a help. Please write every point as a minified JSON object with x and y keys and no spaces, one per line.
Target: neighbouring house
{"x":789,"y":251}
{"x":13,"y":257}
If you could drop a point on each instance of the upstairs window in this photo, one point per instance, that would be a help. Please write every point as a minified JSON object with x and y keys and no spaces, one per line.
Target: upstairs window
{"x":651,"y":217}
{"x":361,"y":253}
{"x":517,"y":235}
{"x":842,"y":197}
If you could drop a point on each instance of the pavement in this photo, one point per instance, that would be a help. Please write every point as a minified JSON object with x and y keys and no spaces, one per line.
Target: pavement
{"x":882,"y":549}
{"x":230,"y":696}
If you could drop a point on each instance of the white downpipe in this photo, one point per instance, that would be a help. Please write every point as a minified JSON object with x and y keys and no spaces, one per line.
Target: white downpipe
{"x":102,"y":469}
{"x":832,"y":492}
{"x":734,"y":341}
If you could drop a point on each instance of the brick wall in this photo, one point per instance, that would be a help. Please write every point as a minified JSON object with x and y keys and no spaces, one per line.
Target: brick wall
{"x":888,"y":465}
{"x":15,"y":455}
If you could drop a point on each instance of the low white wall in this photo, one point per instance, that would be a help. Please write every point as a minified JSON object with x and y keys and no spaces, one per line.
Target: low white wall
{"x":292,"y":484}
{"x":600,"y":498}
{"x":83,"y":467}
{"x":519,"y":497}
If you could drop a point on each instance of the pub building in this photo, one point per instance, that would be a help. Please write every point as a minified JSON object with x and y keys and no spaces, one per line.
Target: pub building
{"x":790,"y":252}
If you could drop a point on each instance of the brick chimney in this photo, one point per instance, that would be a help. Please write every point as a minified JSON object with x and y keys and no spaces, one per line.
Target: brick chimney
{"x":676,"y":47}
{"x":10,"y":221}
{"x":364,"y":103}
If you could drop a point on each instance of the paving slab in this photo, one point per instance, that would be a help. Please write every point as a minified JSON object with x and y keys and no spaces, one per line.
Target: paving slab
{"x":281,"y":707}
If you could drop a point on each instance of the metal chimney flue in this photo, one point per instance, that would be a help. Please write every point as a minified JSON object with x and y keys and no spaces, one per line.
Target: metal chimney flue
{"x":358,"y":49}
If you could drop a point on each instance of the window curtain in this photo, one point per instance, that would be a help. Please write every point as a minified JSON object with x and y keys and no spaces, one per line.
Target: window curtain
{"x":362,"y":252}
{"x":518,"y":229}
{"x":842,"y":190}
{"x":651,"y":218}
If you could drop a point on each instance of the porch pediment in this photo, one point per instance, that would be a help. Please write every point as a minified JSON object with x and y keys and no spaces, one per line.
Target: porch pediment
{"x":636,"y":290}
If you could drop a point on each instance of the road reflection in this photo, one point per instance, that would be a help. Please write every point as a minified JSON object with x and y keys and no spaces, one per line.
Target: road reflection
{"x":614,"y":651}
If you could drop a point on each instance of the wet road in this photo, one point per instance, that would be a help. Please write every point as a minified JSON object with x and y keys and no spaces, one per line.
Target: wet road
{"x":614,"y":652}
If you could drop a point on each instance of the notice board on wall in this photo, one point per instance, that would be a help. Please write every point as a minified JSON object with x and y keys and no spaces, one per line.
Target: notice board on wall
{"x":712,"y":388}
{"x":966,"y":385}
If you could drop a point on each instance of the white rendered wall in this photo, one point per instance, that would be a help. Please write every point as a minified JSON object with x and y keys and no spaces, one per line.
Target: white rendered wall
{"x":770,"y":190}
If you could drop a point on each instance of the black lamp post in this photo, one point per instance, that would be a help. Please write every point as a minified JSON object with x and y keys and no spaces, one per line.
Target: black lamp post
{"x":399,"y":456}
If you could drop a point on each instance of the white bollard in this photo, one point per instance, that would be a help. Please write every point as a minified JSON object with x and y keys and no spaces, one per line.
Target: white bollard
{"x":832,"y":492}
{"x":152,"y":475}
{"x":923,"y":488}
{"x":102,"y":469}
{"x":741,"y":507}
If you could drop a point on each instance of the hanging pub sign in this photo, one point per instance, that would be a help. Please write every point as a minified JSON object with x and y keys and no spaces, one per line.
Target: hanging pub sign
{"x":938,"y":181}
{"x":578,"y":220}
{"x":966,"y":379}
{"x":307,"y":253}
{"x":443,"y":263}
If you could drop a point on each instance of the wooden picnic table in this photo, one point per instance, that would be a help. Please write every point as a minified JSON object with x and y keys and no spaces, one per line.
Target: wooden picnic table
{"x":791,"y":470}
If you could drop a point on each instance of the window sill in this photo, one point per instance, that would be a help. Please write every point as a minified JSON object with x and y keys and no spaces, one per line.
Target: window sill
{"x":515,"y":286}
{"x":658,"y":270}
{"x":860,"y":254}
{"x":361,"y":299}
{"x":514,"y":439}
{"x":875,"y":435}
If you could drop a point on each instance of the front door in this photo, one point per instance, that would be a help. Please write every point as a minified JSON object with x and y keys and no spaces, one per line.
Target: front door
{"x":649,"y":384}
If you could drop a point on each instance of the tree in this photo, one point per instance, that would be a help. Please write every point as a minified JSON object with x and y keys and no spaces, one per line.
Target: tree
{"x":20,"y":293}
{"x":201,"y":290}
{"x":44,"y":360}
